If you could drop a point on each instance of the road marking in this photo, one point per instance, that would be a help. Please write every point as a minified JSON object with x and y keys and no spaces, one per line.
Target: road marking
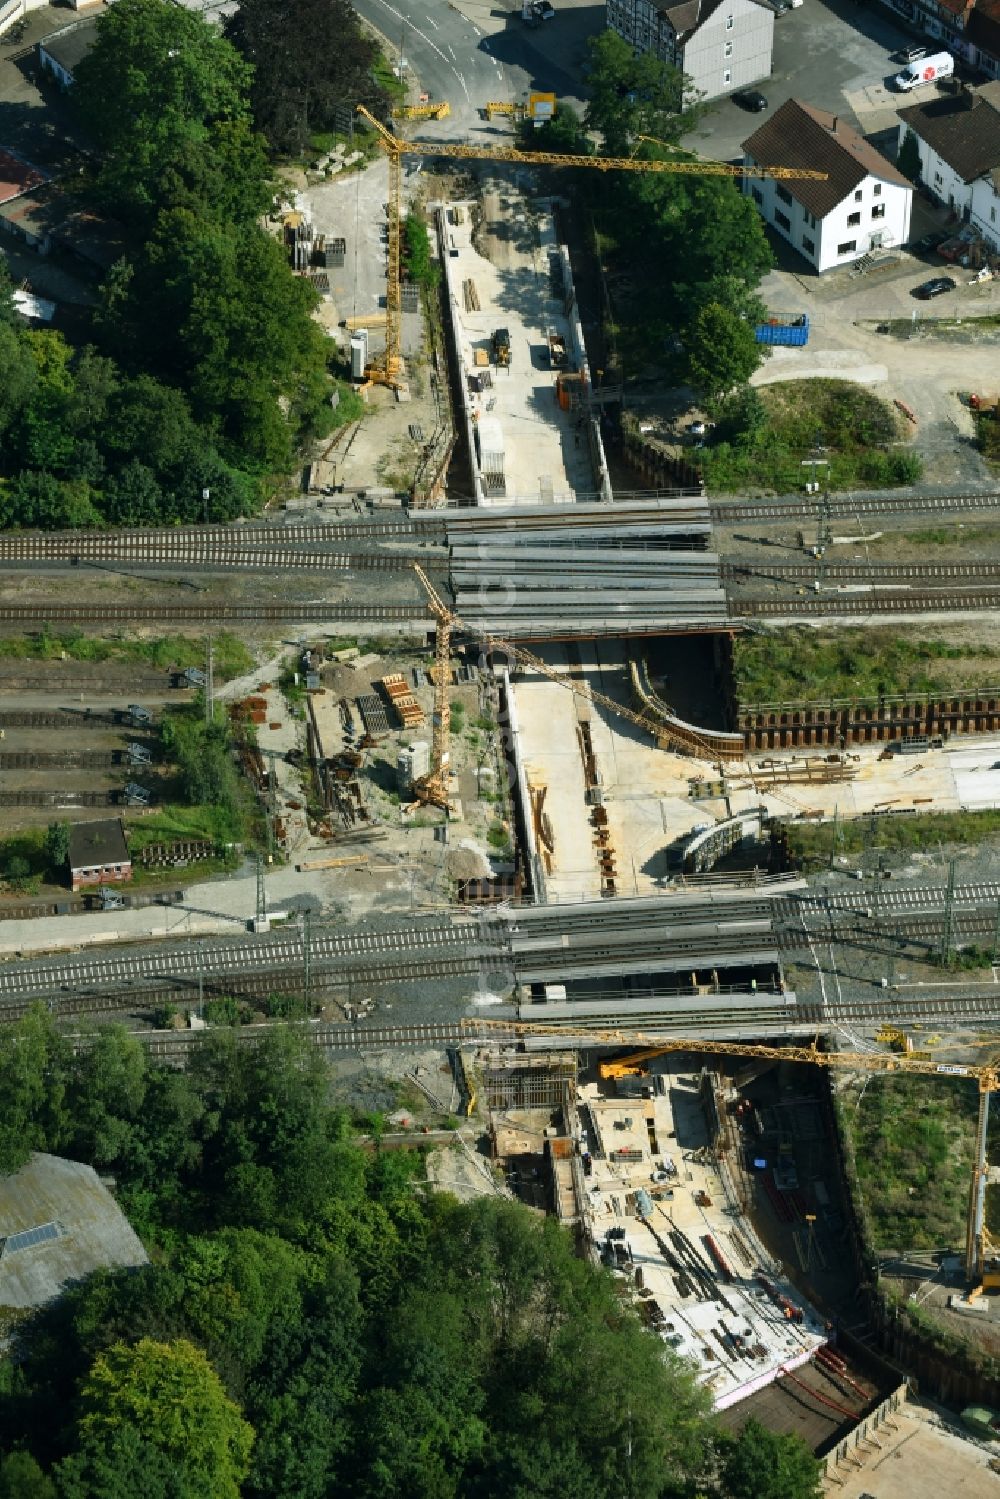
{"x":462,"y":81}
{"x":452,"y":52}
{"x":432,"y":23}
{"x":405,"y":21}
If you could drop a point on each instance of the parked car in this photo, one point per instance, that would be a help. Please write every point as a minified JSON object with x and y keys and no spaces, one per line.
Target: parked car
{"x":909,"y":54}
{"x":930,"y":241}
{"x":750,"y":98}
{"x":925,"y":70}
{"x":934,"y":288}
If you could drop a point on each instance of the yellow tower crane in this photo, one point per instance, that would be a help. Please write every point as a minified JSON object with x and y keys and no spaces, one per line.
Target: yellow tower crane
{"x":433,"y":787}
{"x":981,"y":1265}
{"x":388,"y":368}
{"x":449,"y":622}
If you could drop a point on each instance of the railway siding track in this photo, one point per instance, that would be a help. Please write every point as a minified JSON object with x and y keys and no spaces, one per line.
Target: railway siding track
{"x":875,"y":573}
{"x":864,"y":603}
{"x":958,"y":501}
{"x":341,"y":610}
{"x":231,"y":554}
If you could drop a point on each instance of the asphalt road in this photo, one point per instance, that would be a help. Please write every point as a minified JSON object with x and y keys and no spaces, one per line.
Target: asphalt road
{"x":474,"y":57}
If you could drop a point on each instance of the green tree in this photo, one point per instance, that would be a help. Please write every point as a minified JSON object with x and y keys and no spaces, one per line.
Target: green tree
{"x":721,"y":351}
{"x":22,"y":1478}
{"x":164,"y":96}
{"x":311,"y":61}
{"x":122,"y":1464}
{"x":420,"y":266}
{"x":57,"y":846}
{"x":18,"y":375}
{"x":633,"y":94}
{"x":132,"y":497}
{"x":564,"y":134}
{"x":34,"y":1062}
{"x":762,"y":1464}
{"x":908,"y":159}
{"x":171,"y":1395}
{"x":109,"y":1090}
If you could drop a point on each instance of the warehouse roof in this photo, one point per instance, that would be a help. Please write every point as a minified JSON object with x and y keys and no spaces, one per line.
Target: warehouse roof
{"x":800,"y":135}
{"x":57,"y":1224}
{"x":92,"y":843}
{"x":962,"y":128}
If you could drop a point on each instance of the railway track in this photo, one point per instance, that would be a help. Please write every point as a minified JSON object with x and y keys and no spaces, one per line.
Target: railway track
{"x":211,"y":613}
{"x":71,"y":760}
{"x":231,"y":554}
{"x":793,"y":508}
{"x":874,"y":573}
{"x":69,"y":718}
{"x":865,"y":603}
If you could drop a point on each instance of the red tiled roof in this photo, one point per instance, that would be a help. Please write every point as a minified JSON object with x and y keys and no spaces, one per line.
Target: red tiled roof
{"x":17,"y":177}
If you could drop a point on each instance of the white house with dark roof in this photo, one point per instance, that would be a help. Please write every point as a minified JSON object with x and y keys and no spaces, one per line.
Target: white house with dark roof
{"x":721,"y":45}
{"x":958,"y":136}
{"x":863,"y":203}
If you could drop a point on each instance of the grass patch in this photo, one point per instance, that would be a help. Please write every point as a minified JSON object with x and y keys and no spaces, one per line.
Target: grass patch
{"x":230,"y":657}
{"x":854,"y":428}
{"x":810,"y":846}
{"x":913,"y":1141}
{"x":175,"y":823}
{"x":798,"y":665}
{"x":24,"y":863}
{"x":988,"y":436}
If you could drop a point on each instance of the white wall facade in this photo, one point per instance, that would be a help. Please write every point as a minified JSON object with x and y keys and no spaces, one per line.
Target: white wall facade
{"x":730,"y":50}
{"x":875,"y":215}
{"x":985,"y":210}
{"x":938,"y":177}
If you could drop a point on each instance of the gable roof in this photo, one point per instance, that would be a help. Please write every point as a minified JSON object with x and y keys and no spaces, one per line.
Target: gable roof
{"x":685,"y":16}
{"x":963,"y":129}
{"x":93,"y":843}
{"x":800,"y":135}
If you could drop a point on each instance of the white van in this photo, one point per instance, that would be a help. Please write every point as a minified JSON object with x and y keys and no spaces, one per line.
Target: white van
{"x":925,"y":70}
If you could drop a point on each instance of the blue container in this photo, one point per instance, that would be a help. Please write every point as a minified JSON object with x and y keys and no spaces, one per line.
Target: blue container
{"x":793,"y":334}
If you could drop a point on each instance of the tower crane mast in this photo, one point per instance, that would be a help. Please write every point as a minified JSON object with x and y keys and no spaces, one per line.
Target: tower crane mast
{"x":389,"y":369}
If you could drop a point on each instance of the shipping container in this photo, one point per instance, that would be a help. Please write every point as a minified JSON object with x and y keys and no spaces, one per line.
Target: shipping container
{"x":791,"y":332}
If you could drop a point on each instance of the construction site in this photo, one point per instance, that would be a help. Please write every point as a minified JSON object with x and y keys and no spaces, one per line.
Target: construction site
{"x":511,"y":806}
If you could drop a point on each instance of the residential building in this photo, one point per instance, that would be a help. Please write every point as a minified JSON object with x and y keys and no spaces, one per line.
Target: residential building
{"x":969,"y":29}
{"x":958,"y":136}
{"x":863,"y":203}
{"x":98,"y":853}
{"x":64,"y":50}
{"x":721,"y":45}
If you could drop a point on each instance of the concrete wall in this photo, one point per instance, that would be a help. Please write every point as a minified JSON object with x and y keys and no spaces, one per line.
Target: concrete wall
{"x":451,"y":302}
{"x":731,"y":50}
{"x":519,"y":790}
{"x":865,"y":1432}
{"x":598,"y":457}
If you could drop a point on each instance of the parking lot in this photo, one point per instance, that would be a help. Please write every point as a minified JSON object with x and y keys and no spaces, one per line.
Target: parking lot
{"x":832,"y":53}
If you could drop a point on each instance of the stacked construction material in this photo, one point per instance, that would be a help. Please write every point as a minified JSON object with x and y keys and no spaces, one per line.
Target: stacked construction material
{"x":397,"y":691}
{"x":565,"y":571}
